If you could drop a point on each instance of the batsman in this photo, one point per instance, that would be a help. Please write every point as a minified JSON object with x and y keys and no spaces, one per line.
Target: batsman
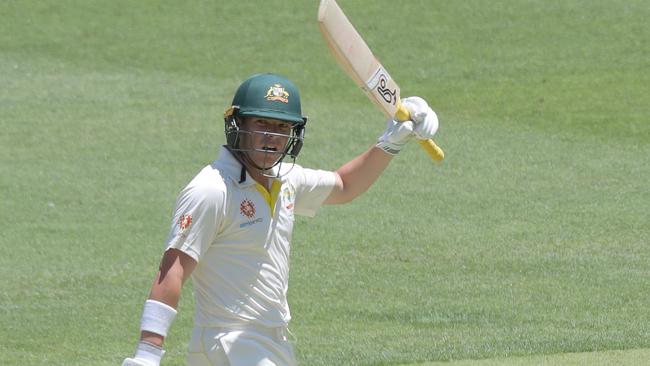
{"x":232,"y":224}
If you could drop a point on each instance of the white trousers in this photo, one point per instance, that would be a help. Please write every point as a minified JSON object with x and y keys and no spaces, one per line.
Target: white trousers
{"x":246,"y":346}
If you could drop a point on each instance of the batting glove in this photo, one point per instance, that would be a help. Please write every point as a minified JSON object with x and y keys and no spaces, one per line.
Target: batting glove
{"x":397,"y":134}
{"x":425,"y":119}
{"x":145,"y":355}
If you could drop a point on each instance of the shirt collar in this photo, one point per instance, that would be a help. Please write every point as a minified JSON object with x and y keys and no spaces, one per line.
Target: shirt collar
{"x":231,"y":167}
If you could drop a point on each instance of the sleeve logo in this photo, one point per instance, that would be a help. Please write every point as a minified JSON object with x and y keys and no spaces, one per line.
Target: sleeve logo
{"x":185,"y":221}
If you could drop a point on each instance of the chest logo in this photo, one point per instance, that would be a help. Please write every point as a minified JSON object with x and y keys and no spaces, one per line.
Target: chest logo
{"x":247,"y":208}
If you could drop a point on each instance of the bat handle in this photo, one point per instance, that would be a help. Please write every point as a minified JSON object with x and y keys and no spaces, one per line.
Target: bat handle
{"x":435,"y":152}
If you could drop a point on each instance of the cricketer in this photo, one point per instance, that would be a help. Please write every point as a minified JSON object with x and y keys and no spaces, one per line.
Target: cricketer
{"x":232,"y":224}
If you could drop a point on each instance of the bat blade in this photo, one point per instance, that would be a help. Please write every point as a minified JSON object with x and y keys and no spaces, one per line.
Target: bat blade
{"x":355,"y":57}
{"x":360,"y":64}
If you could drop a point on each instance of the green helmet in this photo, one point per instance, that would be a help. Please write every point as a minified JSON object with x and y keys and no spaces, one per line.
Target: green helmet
{"x":268,"y":96}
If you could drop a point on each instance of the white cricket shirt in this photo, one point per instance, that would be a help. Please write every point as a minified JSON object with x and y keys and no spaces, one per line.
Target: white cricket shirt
{"x":240,"y":235}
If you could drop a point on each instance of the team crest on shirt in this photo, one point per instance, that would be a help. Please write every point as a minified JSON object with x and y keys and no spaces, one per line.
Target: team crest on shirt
{"x":185,"y":221}
{"x":276,"y":93}
{"x":288,"y":196}
{"x":247,"y":208}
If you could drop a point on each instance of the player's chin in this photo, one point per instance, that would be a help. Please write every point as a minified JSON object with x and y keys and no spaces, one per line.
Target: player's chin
{"x":265,"y":158}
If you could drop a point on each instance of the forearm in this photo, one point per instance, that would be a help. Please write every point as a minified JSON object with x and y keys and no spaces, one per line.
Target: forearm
{"x":167,"y":290}
{"x":358,"y":175}
{"x":175,"y":268}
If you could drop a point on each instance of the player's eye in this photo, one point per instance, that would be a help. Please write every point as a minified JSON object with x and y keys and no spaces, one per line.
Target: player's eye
{"x":261,"y":123}
{"x":284,"y":127}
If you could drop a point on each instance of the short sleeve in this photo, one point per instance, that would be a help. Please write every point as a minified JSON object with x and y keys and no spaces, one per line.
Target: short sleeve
{"x":196,"y":219}
{"x":312,"y":188}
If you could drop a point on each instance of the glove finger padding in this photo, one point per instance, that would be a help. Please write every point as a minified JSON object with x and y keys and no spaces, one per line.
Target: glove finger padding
{"x":417,"y":107}
{"x":428,"y":127}
{"x":397,"y":134}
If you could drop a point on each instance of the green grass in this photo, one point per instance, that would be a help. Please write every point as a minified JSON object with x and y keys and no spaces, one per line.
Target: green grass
{"x":605,"y":358}
{"x":527,"y":246}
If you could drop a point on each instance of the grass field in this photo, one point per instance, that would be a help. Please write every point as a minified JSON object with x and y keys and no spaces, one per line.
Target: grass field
{"x":528,"y":245}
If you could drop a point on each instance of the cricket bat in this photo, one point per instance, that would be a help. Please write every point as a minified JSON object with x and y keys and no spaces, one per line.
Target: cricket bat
{"x":357,"y":60}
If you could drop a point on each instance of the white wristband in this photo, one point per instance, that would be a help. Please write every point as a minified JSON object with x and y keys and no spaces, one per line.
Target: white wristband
{"x":157,"y":317}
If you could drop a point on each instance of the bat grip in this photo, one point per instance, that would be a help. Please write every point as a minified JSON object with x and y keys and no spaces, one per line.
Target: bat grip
{"x":435,"y":152}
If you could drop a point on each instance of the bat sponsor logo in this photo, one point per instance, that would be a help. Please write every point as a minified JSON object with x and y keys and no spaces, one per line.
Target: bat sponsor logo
{"x":276,"y":93}
{"x":379,"y":81}
{"x":385,"y":93}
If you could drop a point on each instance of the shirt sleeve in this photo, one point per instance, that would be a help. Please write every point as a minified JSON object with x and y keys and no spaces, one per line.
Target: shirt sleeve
{"x":196,"y":219}
{"x":312,"y":188}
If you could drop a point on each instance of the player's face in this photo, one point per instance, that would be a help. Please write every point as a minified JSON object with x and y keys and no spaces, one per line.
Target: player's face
{"x":265,"y":139}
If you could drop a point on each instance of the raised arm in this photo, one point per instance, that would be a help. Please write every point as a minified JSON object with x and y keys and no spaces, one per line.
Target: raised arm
{"x":356,"y":176}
